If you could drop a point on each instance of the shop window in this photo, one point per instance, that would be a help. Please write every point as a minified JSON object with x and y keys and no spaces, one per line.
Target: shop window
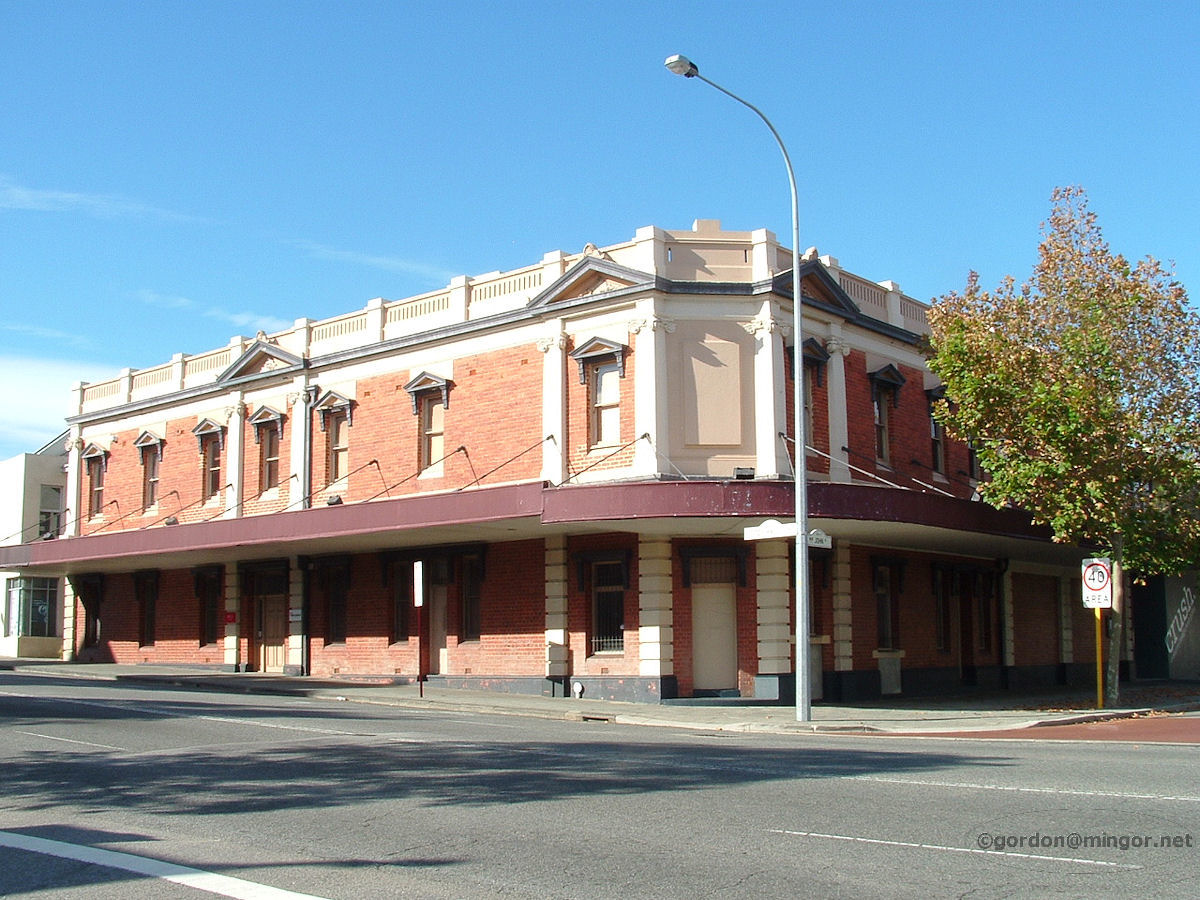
{"x":886,"y":582}
{"x":402,"y":602}
{"x":209,"y":582}
{"x":471,"y":620}
{"x":334,"y":576}
{"x":985,"y":599}
{"x":33,"y":604}
{"x":941,"y":608}
{"x":145,"y":589}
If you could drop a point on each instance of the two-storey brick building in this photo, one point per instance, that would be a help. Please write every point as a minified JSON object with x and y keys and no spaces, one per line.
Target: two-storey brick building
{"x":540,"y":478}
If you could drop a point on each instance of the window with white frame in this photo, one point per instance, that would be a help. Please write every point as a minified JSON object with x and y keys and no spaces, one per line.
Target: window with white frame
{"x":601,"y":368}
{"x":150,"y":448}
{"x":337,"y":417}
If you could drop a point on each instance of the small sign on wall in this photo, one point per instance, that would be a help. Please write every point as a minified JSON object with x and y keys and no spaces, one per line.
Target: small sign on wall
{"x":230,"y":617}
{"x":295,"y":615}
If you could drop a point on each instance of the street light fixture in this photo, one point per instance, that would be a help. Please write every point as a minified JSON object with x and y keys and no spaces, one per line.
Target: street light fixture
{"x":681,"y":65}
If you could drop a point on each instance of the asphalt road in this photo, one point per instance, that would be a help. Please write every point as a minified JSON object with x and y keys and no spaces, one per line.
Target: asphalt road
{"x":117,"y":790}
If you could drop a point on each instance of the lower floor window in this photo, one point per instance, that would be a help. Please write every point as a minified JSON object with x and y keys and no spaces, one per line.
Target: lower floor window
{"x":608,"y":607}
{"x":32,"y":608}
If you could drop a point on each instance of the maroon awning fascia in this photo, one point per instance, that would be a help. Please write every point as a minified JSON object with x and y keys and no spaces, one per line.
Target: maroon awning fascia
{"x":320,"y":523}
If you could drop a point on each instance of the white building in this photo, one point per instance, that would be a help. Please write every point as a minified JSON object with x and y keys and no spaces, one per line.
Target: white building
{"x":31,"y":509}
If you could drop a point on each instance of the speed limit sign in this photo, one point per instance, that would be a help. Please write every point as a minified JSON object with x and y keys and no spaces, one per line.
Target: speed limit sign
{"x":1097,"y":584}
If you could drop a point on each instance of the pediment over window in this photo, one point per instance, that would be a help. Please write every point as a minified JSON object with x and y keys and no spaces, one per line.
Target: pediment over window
{"x":210,"y":428}
{"x":592,"y":275}
{"x":598,"y":349}
{"x":815,"y":355}
{"x":888,"y":378}
{"x":332,"y":401}
{"x":427,"y":382}
{"x":150,"y":439}
{"x":260,"y":358}
{"x":95,"y":451}
{"x":266,"y":417}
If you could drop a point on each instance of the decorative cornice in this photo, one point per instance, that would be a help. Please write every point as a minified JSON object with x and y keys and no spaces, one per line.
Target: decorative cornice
{"x":546,"y":344}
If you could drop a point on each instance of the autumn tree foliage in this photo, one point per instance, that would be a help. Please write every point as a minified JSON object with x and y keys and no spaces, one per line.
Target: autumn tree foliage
{"x":1080,"y":390}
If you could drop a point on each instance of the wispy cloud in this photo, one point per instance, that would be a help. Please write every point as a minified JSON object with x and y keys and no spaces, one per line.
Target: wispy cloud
{"x":100,"y":206}
{"x":44,"y":386}
{"x":431,"y":273}
{"x":37,"y":332}
{"x":244,"y":320}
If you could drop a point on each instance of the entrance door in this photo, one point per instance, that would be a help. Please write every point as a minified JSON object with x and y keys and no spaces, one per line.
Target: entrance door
{"x":714,"y":637}
{"x":274,"y":633}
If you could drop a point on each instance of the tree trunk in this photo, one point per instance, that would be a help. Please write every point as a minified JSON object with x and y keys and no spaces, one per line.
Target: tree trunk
{"x":1112,"y":673}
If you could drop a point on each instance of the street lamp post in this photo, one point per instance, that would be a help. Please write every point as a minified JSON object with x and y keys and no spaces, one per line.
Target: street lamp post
{"x":681,"y":65}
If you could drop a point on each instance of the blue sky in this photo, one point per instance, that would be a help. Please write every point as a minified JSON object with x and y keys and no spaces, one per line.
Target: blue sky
{"x":173,"y":174}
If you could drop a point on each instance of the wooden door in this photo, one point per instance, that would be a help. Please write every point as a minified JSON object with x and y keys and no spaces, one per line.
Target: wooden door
{"x":274,"y":633}
{"x":714,"y":637}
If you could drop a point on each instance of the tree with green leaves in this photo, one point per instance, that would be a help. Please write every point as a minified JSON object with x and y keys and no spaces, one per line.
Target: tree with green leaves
{"x":1080,"y":391}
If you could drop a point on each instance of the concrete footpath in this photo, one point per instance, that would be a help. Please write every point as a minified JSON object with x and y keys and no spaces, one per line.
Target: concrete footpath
{"x":978,"y":712}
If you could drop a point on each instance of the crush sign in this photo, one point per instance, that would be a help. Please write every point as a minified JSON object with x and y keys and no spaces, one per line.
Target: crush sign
{"x":1097,"y":584}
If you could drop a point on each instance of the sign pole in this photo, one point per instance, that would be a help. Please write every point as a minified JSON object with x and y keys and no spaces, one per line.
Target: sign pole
{"x":1098,"y":596}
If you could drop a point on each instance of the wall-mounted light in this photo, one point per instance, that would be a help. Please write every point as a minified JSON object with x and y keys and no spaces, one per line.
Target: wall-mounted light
{"x":743,"y":473}
{"x":333,"y":500}
{"x":170,"y":520}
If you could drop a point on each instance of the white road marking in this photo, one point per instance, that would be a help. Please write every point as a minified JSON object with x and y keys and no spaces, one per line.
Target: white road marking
{"x":50,"y":737}
{"x":224,"y":885}
{"x":1117,"y":795}
{"x":973,"y":850}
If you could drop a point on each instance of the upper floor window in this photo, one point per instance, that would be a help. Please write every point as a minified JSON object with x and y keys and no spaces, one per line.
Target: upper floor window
{"x":430,"y":395}
{"x":268,"y":434}
{"x":150,"y":447}
{"x":50,"y":511}
{"x":937,"y":433}
{"x":211,"y":436}
{"x":601,"y":368}
{"x":337,"y":431}
{"x":337,"y":417}
{"x":816,"y":358}
{"x":885,"y":397}
{"x":96,"y":461}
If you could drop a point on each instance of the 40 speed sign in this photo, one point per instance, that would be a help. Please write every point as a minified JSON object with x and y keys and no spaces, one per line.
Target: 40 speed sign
{"x":1097,"y":584}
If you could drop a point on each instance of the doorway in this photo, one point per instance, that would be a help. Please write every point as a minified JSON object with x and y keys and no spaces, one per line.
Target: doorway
{"x":714,"y":637}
